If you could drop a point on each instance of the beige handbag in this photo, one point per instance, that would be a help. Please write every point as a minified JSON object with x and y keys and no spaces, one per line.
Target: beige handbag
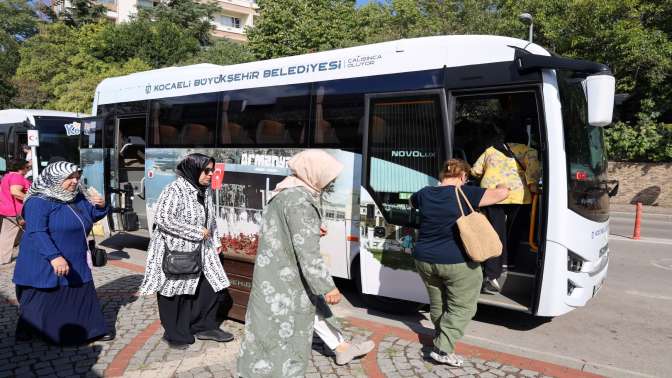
{"x":478,"y":237}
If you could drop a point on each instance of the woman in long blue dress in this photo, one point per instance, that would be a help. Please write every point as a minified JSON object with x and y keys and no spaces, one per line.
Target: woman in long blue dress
{"x":54,"y":287}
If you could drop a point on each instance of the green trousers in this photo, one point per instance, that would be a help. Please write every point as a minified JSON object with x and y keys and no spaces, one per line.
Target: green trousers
{"x":453,"y":293}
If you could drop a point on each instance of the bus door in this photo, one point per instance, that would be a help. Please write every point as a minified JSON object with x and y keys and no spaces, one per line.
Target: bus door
{"x":128,"y":165}
{"x":405,"y":143}
{"x":482,"y":122}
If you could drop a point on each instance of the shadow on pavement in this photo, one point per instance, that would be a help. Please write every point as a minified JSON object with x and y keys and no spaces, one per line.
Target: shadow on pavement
{"x":123,"y":240}
{"x":510,"y":319}
{"x":116,"y":294}
{"x":37,"y":357}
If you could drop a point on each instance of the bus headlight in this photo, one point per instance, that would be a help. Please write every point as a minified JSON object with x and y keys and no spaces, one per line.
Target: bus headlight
{"x":574,"y":262}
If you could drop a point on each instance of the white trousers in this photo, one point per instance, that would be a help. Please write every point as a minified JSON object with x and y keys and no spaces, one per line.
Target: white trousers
{"x":328,"y":333}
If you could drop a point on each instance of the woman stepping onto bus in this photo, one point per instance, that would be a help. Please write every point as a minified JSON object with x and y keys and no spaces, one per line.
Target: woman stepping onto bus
{"x":289,"y":273}
{"x":184,"y":221}
{"x":516,"y":165}
{"x":452,"y":280}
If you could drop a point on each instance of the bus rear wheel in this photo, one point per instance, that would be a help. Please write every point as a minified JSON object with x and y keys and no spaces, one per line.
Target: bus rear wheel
{"x":380,"y":303}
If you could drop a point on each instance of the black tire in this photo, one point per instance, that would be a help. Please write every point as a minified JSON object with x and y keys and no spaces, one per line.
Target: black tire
{"x":380,"y":303}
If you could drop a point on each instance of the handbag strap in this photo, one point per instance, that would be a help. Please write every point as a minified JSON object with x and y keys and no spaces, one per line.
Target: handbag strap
{"x":459,"y":193}
{"x":76,"y":212}
{"x":509,"y":153}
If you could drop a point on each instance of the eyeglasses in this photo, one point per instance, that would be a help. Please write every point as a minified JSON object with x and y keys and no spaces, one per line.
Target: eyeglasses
{"x":208,"y":171}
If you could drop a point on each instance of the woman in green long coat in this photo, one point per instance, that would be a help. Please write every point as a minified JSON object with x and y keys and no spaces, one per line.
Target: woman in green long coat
{"x":289,"y":273}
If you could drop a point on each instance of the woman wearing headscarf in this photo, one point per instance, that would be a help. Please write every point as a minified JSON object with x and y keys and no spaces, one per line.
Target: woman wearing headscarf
{"x":54,"y":287}
{"x":289,"y":273}
{"x":184,"y":221}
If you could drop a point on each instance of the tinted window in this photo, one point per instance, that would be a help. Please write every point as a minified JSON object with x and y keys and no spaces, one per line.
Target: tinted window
{"x":189,"y":121}
{"x":265,"y":116}
{"x":59,"y":138}
{"x":3,"y":154}
{"x":338,"y":110}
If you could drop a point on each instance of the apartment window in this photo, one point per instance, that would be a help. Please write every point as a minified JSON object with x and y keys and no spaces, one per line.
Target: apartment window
{"x":233,"y":22}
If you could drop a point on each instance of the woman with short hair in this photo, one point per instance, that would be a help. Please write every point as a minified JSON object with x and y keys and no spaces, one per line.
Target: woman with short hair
{"x":452,"y":279}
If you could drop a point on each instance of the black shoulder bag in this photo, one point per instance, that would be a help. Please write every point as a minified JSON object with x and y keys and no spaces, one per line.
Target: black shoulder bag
{"x":183,"y":265}
{"x":98,"y":255}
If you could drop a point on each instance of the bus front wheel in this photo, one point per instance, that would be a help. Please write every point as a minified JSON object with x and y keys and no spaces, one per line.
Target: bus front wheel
{"x":380,"y":303}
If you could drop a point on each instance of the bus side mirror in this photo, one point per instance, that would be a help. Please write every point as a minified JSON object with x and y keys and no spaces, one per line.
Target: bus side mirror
{"x":599,"y":91}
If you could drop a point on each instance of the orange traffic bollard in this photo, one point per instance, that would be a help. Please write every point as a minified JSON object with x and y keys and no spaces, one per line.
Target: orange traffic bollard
{"x":638,"y":222}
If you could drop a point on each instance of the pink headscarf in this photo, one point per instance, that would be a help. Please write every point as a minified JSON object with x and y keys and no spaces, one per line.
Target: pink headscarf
{"x":312,"y":169}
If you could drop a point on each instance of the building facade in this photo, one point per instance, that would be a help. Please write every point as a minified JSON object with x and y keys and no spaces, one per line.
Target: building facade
{"x":230,"y":23}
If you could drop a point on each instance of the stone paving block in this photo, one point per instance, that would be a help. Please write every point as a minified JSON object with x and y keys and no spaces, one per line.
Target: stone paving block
{"x":529,"y":373}
{"x":493,"y":364}
{"x":509,"y":369}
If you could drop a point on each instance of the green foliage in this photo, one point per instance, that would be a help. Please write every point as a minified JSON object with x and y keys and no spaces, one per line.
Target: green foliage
{"x":160,"y":43}
{"x":59,"y":69}
{"x":191,"y":16}
{"x":222,"y":52}
{"x":18,"y":18}
{"x":290,"y":27}
{"x":82,"y":12}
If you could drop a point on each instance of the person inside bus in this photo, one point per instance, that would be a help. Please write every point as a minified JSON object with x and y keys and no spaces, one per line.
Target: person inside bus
{"x":54,"y":286}
{"x":452,"y":280}
{"x":290,"y":274}
{"x":515,"y":164}
{"x":184,"y":221}
{"x":13,"y":188}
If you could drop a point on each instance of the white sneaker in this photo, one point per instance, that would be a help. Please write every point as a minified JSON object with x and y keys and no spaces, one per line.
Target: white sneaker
{"x":451,"y":359}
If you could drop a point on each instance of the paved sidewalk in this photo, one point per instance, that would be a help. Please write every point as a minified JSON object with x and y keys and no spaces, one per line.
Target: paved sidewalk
{"x":139,"y":352}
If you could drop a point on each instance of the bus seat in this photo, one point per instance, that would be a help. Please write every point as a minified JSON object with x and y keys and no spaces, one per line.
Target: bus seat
{"x":234,"y":133}
{"x":167,"y":134}
{"x":195,"y":133}
{"x":325,"y":133}
{"x":269,"y":131}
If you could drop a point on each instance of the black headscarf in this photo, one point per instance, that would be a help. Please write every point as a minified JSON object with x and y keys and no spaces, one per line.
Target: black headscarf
{"x":190,"y":169}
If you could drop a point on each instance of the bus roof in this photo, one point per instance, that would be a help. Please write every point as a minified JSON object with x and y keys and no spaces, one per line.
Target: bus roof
{"x":406,"y":55}
{"x":20,"y":115}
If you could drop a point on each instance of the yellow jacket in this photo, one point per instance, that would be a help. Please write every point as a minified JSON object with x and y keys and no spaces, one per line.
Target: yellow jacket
{"x":494,"y":167}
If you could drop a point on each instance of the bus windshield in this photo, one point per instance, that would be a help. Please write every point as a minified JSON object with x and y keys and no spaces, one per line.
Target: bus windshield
{"x":584,"y":147}
{"x":58,"y":139}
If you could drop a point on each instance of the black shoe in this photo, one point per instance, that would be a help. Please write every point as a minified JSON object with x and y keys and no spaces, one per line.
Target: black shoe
{"x":217,"y":335}
{"x":176,"y":346}
{"x":108,"y":336}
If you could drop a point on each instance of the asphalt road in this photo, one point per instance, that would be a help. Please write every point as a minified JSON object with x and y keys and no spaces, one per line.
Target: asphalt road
{"x":624,"y":331}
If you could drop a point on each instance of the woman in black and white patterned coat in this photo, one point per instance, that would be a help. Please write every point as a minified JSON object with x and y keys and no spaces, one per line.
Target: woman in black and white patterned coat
{"x":188,"y":305}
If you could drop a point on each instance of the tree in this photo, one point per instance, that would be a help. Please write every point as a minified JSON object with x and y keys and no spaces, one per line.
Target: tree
{"x":18,"y":22}
{"x":290,"y":27}
{"x":194,"y":17}
{"x":222,"y":52}
{"x":82,"y":12}
{"x":160,"y":43}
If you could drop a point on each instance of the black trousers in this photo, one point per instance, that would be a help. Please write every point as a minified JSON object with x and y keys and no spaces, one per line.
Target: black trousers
{"x":182,"y":316}
{"x":503,"y":219}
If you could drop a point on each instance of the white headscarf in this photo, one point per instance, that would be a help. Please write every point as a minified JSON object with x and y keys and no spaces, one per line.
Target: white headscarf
{"x":48,"y":183}
{"x":312,"y":169}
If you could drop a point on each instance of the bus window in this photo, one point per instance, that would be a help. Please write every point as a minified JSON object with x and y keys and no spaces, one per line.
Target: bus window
{"x":3,"y":154}
{"x":59,"y":137}
{"x":265,"y":116}
{"x":406,"y":149}
{"x":337,"y":116}
{"x":188,"y":121}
